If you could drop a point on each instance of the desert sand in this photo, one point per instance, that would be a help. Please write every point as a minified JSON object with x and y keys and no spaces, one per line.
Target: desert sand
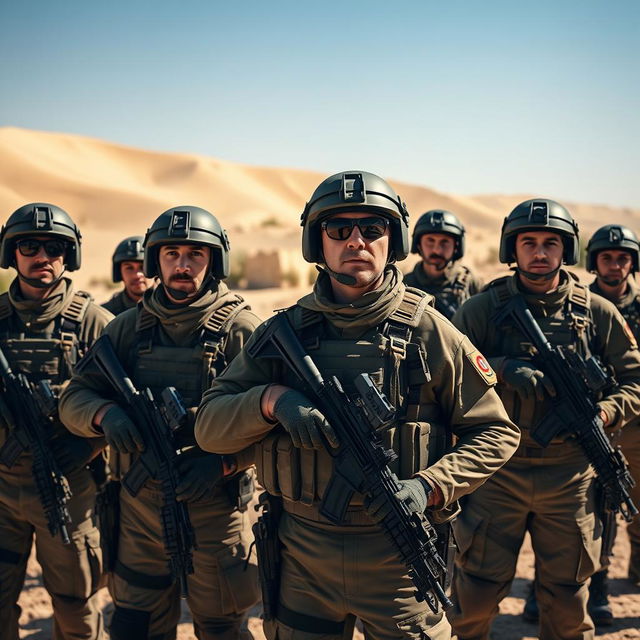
{"x":113,"y":191}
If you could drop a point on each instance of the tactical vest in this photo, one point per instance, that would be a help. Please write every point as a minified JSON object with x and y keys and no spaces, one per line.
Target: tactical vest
{"x":192,"y":369}
{"x":573,"y":329}
{"x":450,"y":296}
{"x":44,"y":355}
{"x":397,"y":365}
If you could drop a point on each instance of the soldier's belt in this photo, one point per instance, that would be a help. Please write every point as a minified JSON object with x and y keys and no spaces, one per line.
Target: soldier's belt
{"x":312,"y":512}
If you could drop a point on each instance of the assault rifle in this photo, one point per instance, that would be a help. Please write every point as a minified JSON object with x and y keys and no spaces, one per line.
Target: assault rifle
{"x":32,"y":410}
{"x":578,"y":383}
{"x":361,"y":463}
{"x":156,"y":423}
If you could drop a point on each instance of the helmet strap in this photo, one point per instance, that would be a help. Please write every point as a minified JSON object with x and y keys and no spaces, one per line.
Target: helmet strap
{"x":181,"y":296}
{"x":529,"y":275}
{"x":38,"y":284}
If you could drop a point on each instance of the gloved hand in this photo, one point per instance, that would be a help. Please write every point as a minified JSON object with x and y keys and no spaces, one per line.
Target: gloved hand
{"x":199,"y":474}
{"x":526,"y":380}
{"x":121,"y":433}
{"x":72,"y":452}
{"x":304,"y":423}
{"x":414,"y":493}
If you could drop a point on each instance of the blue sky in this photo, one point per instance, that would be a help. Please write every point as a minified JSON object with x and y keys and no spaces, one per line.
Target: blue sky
{"x":462,"y":96}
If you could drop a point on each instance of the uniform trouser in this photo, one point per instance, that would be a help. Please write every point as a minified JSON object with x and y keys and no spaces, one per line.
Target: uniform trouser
{"x":331,"y":574}
{"x":221,"y":589}
{"x":630,"y":445}
{"x":71,"y":573}
{"x":551,"y":498}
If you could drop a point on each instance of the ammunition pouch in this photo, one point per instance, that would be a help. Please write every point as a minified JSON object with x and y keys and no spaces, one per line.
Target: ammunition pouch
{"x":240,"y":489}
{"x":267,"y":542}
{"x":108,"y":515}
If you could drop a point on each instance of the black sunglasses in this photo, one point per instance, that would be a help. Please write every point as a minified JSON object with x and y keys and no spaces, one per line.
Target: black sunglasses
{"x":341,"y":228}
{"x":30,"y":247}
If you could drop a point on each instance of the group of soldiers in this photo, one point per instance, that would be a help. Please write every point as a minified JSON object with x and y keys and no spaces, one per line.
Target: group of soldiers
{"x":462,"y":425}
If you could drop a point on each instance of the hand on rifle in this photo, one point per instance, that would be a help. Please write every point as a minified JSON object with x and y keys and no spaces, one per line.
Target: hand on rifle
{"x":199,"y":474}
{"x":413,"y":492}
{"x":305,"y":424}
{"x":119,"y":430}
{"x":526,"y":380}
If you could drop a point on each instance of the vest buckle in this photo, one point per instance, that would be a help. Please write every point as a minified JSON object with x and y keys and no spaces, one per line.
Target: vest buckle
{"x":398,"y":347}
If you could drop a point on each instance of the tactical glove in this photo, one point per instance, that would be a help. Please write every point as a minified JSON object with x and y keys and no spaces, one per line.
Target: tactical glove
{"x":72,"y":452}
{"x":304,"y":423}
{"x":526,"y":380}
{"x":121,"y":433}
{"x":414,"y":493}
{"x":199,"y":474}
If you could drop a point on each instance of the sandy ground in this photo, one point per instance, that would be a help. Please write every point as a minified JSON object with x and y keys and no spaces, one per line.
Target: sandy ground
{"x":625,"y":601}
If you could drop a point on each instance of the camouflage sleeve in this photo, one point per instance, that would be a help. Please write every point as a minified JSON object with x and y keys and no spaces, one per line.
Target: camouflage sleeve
{"x":88,"y":391}
{"x":486,"y":437}
{"x":620,"y":352}
{"x":229,"y":418}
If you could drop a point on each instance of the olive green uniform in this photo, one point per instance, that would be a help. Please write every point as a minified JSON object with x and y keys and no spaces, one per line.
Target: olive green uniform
{"x":183,"y":346}
{"x":331,"y":573}
{"x":548,"y":492}
{"x":119,"y":302}
{"x":455,"y":285}
{"x":43,"y":339}
{"x":629,"y":439}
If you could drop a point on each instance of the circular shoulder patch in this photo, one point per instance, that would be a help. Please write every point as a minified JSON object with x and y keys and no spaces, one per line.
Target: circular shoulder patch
{"x":482,"y":366}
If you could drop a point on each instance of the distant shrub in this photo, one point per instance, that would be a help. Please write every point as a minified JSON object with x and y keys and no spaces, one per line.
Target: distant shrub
{"x":6,"y":276}
{"x":272,"y":221}
{"x":103,"y":281}
{"x":291,"y":277}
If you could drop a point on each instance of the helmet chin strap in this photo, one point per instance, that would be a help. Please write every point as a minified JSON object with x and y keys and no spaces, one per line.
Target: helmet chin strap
{"x":342,"y":278}
{"x":36,"y":283}
{"x":181,"y":296}
{"x":529,"y":275}
{"x":613,"y":282}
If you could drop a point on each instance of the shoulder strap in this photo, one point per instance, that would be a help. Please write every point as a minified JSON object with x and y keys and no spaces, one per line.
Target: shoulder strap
{"x":70,"y":322}
{"x":579,"y":313}
{"x":214,"y":336}
{"x":145,"y":325}
{"x":499,"y":290}
{"x":308,"y":325}
{"x":398,"y":328}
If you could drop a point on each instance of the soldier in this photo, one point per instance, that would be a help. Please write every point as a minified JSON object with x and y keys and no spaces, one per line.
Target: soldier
{"x":546,"y":491}
{"x":439,"y":239}
{"x":613,"y":255}
{"x":126,"y":267}
{"x":359,"y":318}
{"x":44,"y":328}
{"x":183,"y":334}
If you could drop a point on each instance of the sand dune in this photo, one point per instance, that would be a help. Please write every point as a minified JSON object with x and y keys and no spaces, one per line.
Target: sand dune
{"x":112,"y":190}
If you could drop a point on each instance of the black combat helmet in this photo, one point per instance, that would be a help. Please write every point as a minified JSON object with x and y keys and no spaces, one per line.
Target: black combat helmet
{"x":187,"y":225}
{"x":439,"y":221}
{"x":356,"y":192}
{"x":40,"y":219}
{"x":613,"y":236}
{"x":540,"y":214}
{"x":130,"y":249}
